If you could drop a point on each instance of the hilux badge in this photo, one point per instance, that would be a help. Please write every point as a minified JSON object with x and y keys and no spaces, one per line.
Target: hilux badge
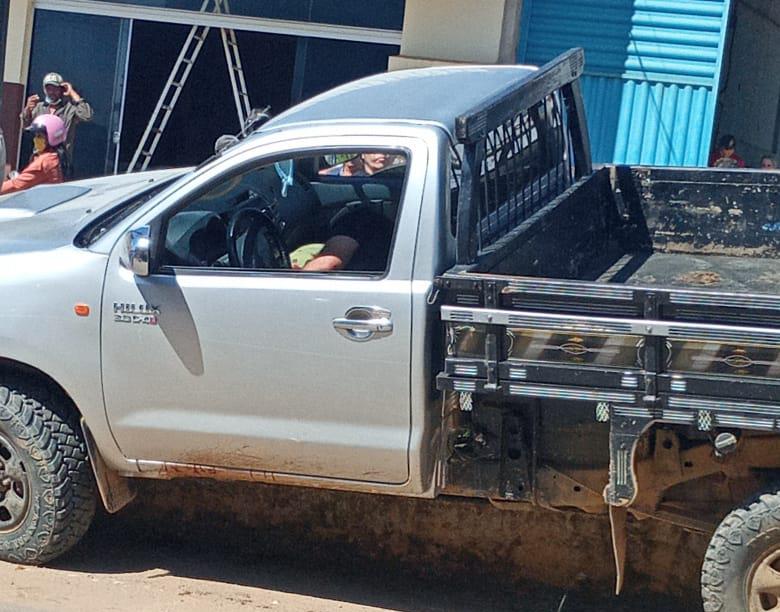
{"x":142,"y":314}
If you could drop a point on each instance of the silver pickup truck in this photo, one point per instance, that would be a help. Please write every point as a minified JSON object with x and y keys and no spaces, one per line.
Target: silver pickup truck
{"x":414,"y":284}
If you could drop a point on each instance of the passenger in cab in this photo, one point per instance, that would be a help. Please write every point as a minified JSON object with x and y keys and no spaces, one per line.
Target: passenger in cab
{"x":365,"y":164}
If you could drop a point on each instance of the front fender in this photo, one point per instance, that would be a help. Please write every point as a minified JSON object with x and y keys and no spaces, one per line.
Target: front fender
{"x":40,"y":329}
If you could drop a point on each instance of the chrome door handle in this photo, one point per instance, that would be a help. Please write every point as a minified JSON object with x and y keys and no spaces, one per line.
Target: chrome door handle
{"x":363,"y":323}
{"x":369,"y":325}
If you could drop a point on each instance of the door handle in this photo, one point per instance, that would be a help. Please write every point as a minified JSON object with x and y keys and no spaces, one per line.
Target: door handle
{"x":369,"y":325}
{"x":363,"y":323}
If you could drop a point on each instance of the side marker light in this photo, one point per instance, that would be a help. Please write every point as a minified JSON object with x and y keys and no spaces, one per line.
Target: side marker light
{"x":81,"y":310}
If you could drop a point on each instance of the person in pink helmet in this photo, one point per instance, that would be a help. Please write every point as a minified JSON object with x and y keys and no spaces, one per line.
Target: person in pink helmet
{"x":48,"y":161}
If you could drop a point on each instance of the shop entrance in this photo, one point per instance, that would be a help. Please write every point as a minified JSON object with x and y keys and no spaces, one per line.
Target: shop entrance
{"x":124,"y":79}
{"x":89,"y":51}
{"x":206,"y":107}
{"x":749,"y":97}
{"x":121,"y":65}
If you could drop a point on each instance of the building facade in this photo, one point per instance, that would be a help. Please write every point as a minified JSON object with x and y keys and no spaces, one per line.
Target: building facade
{"x":663,"y":78}
{"x":119,"y":56}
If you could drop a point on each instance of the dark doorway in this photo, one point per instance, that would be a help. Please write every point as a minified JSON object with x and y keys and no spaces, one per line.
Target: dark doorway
{"x":324,"y":63}
{"x":206,"y":107}
{"x":89,"y":52}
{"x":749,"y":95}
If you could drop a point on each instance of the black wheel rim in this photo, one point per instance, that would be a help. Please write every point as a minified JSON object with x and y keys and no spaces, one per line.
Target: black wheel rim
{"x":14,"y":486}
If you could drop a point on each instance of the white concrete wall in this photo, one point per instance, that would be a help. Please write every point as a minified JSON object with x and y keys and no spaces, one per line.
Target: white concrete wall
{"x":750,"y":86}
{"x":458,"y":31}
{"x":17,"y":52}
{"x":17,"y":61}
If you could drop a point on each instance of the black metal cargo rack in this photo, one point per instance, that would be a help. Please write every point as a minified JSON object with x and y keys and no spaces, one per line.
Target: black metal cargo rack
{"x":636,"y":354}
{"x":520,"y":150}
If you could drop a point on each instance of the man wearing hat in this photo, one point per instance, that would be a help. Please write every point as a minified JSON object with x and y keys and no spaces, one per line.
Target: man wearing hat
{"x":64,"y":102}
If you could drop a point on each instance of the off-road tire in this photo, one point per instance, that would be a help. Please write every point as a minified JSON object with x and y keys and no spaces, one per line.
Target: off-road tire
{"x":741,"y":540}
{"x":61,"y":498}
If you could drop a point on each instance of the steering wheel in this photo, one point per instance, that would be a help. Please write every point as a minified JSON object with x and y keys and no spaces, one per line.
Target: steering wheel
{"x":262,"y":246}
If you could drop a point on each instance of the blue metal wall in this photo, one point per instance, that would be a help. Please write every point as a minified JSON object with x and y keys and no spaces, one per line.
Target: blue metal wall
{"x":651,"y":71}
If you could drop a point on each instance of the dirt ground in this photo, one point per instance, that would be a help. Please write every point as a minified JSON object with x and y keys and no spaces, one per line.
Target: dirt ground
{"x":200,"y":546}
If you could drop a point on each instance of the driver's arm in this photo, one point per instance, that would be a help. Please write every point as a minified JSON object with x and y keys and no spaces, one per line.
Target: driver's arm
{"x":335,"y":255}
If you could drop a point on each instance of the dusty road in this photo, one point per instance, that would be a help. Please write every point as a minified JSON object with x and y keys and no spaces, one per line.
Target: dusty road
{"x":147,"y":559}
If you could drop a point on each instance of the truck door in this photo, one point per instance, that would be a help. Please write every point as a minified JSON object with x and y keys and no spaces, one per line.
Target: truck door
{"x":227,"y":355}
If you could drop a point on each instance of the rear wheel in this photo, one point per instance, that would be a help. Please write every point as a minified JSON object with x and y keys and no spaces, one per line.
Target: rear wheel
{"x":47,"y":493}
{"x":741,"y":570}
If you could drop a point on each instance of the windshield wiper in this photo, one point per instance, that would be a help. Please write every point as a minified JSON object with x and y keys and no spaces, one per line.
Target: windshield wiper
{"x":92,"y":232}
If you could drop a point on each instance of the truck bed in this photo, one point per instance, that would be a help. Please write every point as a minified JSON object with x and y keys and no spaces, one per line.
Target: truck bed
{"x":652,"y":226}
{"x":654,"y":292}
{"x":715,"y":272}
{"x":616,"y":299}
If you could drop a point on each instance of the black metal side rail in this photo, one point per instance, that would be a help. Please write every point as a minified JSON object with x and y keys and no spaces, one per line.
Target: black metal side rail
{"x":612,"y":325}
{"x":467,"y":288}
{"x":634,"y":372}
{"x":506,"y":346}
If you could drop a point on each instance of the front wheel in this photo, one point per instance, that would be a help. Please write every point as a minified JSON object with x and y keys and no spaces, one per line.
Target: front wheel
{"x":47,"y":493}
{"x":741,"y":571}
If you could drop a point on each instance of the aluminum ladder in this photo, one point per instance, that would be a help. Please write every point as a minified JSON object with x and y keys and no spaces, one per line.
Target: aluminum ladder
{"x":178,"y":78}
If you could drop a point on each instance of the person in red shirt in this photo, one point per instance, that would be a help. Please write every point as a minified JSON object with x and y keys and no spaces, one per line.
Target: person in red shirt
{"x":725,"y":156}
{"x":48,"y":161}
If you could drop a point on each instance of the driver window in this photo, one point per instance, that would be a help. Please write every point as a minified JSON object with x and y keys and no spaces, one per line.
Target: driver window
{"x":322,"y":213}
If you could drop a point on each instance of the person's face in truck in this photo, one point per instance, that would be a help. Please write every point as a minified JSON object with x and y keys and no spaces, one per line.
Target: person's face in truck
{"x":374,"y":162}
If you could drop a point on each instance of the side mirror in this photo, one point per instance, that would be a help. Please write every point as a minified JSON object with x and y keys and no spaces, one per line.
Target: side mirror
{"x":136,"y":250}
{"x":224,"y":142}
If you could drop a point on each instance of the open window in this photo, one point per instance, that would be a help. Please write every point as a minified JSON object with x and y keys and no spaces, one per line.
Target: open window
{"x":334,"y":211}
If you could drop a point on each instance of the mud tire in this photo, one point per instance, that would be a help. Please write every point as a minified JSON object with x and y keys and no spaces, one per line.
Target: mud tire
{"x":46,"y":436}
{"x":741,"y":540}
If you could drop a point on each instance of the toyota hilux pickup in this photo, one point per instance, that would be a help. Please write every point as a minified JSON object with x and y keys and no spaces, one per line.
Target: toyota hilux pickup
{"x":415,"y":284}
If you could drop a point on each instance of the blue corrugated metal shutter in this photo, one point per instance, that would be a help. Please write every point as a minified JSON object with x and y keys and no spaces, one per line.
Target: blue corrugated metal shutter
{"x":651,"y":71}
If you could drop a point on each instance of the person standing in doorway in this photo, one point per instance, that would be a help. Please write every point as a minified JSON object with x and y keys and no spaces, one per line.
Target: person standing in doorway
{"x":768,"y":163}
{"x":725,"y":156}
{"x":62,"y":100}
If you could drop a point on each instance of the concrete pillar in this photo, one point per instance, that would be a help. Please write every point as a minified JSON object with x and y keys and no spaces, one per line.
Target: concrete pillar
{"x":458,"y":31}
{"x":17,"y":59}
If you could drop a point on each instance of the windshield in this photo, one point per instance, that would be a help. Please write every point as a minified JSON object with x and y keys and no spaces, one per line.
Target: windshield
{"x":92,"y":232}
{"x":39,"y":199}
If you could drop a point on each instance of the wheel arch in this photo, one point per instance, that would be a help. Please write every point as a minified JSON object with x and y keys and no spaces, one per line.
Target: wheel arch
{"x":115,"y":491}
{"x":8,"y":365}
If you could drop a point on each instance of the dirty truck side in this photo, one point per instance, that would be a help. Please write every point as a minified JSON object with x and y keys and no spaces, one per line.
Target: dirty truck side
{"x":438,"y":296}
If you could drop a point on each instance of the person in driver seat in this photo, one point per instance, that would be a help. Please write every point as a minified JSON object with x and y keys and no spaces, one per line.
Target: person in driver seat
{"x":359,"y":241}
{"x":335,"y":254}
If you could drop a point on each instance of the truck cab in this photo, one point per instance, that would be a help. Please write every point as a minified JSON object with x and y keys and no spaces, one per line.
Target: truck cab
{"x":172,"y":325}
